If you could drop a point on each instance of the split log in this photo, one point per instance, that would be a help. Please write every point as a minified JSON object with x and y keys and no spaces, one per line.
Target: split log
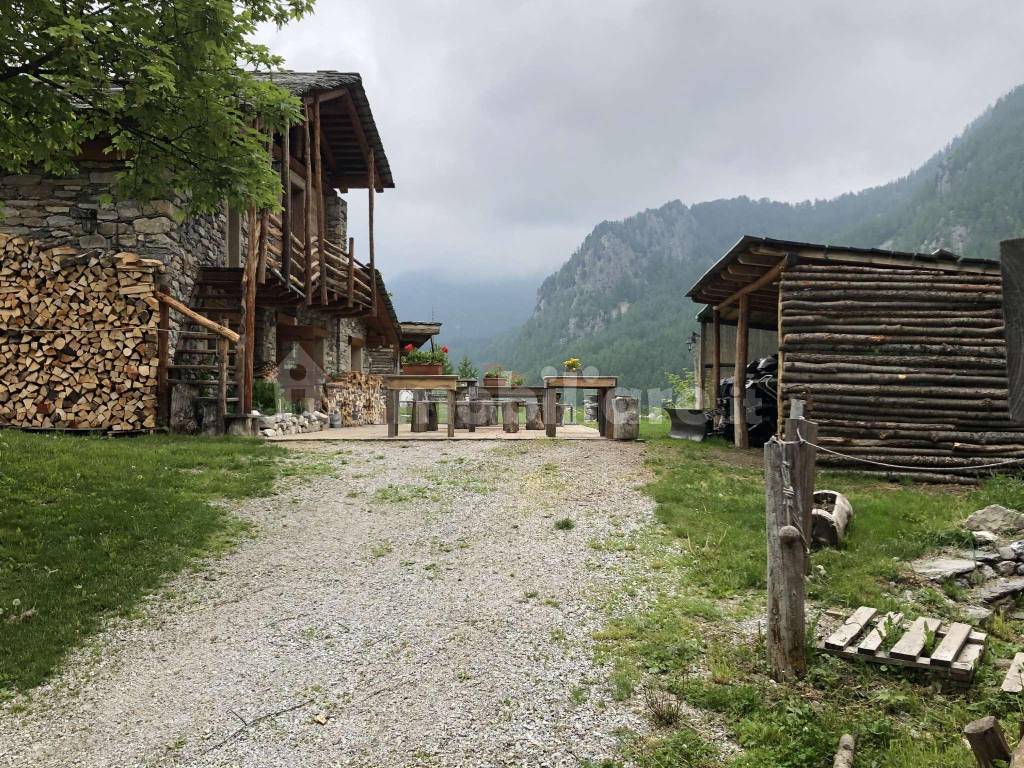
{"x":844,"y":755}
{"x":829,"y":518}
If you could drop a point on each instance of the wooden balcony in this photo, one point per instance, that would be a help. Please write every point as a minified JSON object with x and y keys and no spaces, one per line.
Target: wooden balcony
{"x":330,"y":279}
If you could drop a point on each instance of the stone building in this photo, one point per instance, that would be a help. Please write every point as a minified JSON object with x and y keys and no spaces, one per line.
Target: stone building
{"x":314,"y":300}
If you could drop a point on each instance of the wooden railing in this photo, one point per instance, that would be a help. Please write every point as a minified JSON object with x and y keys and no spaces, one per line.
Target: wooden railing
{"x":224,"y":337}
{"x":336,"y":277}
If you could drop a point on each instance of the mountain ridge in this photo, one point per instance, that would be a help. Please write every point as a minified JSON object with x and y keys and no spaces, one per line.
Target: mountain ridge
{"x":617,"y":302}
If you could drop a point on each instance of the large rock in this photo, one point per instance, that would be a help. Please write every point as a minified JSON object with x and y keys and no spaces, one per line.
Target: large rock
{"x":996,"y":518}
{"x":1001,"y":588}
{"x":942,"y":568}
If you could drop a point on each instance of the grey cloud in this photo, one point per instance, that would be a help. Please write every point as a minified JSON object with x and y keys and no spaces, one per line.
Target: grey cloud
{"x":514,"y":127}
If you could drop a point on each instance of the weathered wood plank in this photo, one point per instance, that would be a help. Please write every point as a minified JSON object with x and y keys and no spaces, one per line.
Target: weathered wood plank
{"x":1014,"y":680}
{"x":909,"y":646}
{"x":885,"y":626}
{"x":851,"y":628}
{"x":954,"y":641}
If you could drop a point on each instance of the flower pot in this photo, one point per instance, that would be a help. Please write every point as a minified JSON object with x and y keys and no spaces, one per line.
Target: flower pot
{"x":573,"y":372}
{"x":495,"y":381}
{"x":422,"y":369}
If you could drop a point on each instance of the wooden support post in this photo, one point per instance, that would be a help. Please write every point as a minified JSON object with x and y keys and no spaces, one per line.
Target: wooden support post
{"x":222,"y":383}
{"x":265,"y":221}
{"x":372,"y":266}
{"x":245,"y":358}
{"x":803,"y":467}
{"x":510,"y":416}
{"x":741,"y":438}
{"x":163,"y":346}
{"x":286,"y":204}
{"x":307,"y":205}
{"x":987,"y":742}
{"x":451,"y":413}
{"x":716,"y":356}
{"x":786,"y":585}
{"x":351,"y":270}
{"x":393,"y":412}
{"x":321,"y":226}
{"x":550,"y":412}
{"x":698,"y":369}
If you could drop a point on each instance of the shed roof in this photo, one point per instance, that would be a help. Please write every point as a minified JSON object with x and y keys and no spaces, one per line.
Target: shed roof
{"x":418,"y":332}
{"x":753,"y":259}
{"x":335,"y":90}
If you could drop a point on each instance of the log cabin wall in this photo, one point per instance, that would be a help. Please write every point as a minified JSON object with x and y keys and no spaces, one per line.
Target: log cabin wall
{"x":904,"y":366}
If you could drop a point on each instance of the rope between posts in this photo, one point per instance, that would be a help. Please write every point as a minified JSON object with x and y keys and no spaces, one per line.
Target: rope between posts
{"x":803,"y":441}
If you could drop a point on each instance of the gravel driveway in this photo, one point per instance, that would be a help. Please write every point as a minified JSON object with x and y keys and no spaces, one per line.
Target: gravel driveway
{"x":414,"y":606}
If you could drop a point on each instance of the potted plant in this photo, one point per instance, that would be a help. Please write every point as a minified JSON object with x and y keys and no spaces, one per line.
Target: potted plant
{"x":496,"y":376}
{"x":515,"y":379}
{"x":417,"y":362}
{"x":572,"y":366}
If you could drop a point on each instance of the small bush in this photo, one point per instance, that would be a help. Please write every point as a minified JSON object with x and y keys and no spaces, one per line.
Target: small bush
{"x":565,"y":524}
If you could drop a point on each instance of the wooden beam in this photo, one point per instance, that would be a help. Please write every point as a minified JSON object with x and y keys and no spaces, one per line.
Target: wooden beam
{"x":716,"y":355}
{"x":741,"y":438}
{"x":373,"y":272}
{"x":307,"y":206}
{"x":249,"y":278}
{"x":351,"y":270}
{"x":321,"y":200}
{"x":286,"y":204}
{"x":163,"y":389}
{"x":767,"y":278}
{"x":196,"y":318}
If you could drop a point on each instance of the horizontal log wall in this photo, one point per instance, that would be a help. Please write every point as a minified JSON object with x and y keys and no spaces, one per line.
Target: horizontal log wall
{"x":78,"y":338}
{"x":901,"y":366}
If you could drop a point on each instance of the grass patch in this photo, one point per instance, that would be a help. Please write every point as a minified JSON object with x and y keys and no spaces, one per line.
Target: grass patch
{"x":90,"y":525}
{"x":565,"y":524}
{"x":693,"y":642}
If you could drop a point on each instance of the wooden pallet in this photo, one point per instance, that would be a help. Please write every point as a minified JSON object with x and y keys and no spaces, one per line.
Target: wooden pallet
{"x":863,"y":636}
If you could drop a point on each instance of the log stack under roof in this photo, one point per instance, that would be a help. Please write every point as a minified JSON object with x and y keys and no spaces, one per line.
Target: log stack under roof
{"x":78,"y":338}
{"x":900,"y":365}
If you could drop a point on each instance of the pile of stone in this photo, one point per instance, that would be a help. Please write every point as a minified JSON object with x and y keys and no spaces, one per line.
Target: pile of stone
{"x":995,"y":566}
{"x":292,"y":424}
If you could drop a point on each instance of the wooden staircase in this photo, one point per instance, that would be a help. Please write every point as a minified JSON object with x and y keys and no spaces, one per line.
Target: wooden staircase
{"x":203,"y":359}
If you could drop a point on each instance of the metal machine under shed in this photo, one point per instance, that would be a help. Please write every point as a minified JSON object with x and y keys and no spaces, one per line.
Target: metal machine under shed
{"x":900,"y":357}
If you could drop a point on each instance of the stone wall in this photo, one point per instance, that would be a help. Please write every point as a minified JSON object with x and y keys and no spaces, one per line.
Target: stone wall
{"x":336,"y":219}
{"x":357,"y":397}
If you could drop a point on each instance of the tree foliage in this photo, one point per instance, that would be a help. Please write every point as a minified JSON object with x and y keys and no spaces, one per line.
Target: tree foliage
{"x":165,"y":85}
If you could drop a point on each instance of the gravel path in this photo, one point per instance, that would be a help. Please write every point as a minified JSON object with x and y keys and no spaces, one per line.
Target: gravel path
{"x":415,"y":606}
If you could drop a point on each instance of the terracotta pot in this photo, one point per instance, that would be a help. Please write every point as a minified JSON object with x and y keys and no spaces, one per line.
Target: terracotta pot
{"x":495,"y":381}
{"x":422,"y":369}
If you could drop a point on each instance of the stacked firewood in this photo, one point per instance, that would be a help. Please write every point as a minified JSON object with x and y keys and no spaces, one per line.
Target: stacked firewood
{"x":78,"y":338}
{"x":900,"y":366}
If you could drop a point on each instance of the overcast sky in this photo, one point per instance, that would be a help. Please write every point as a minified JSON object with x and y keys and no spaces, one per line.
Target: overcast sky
{"x":513,"y":128}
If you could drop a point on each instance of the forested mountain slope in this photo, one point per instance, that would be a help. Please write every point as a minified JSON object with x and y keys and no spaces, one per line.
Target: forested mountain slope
{"x":618,"y":301}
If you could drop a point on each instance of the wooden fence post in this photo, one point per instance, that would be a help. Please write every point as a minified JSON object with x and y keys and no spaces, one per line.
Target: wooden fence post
{"x":786,"y":567}
{"x":802,"y":459}
{"x":222,"y":383}
{"x":987,"y":741}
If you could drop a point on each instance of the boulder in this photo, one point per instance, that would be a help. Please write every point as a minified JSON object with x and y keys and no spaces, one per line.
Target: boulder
{"x":996,"y":518}
{"x":1006,"y":568}
{"x":977,"y":614}
{"x":942,"y":568}
{"x":1007,"y":553}
{"x":996,"y":590}
{"x":985,"y":538}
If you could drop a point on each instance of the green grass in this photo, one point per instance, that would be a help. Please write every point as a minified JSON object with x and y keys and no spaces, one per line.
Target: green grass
{"x":90,"y":525}
{"x":706,"y":570}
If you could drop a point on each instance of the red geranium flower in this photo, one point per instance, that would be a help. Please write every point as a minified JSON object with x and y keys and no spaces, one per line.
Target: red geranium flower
{"x":408,"y":347}
{"x":445,"y":350}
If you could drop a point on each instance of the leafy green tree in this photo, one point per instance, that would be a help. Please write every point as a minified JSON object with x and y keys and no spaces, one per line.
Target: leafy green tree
{"x":467,"y":370}
{"x":165,"y":85}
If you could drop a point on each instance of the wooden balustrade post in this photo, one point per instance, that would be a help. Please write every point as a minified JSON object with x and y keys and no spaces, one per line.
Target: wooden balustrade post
{"x":373,"y":269}
{"x":163,"y":346}
{"x":321,"y":200}
{"x":222,"y":383}
{"x":786,"y":579}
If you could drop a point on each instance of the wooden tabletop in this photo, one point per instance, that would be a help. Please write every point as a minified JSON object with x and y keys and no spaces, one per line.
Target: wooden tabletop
{"x":407,"y":381}
{"x":581,"y":382}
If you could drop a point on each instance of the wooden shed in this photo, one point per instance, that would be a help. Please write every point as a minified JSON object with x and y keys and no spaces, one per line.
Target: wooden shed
{"x":900,"y":357}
